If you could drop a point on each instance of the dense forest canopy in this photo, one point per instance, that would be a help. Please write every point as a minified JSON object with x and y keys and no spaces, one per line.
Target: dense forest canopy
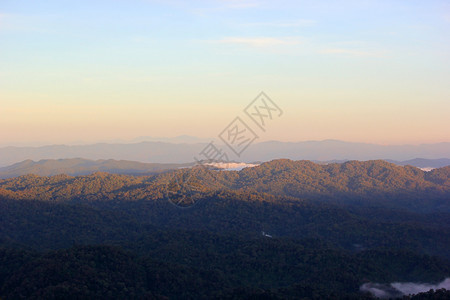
{"x":373,"y":183}
{"x":328,"y":229}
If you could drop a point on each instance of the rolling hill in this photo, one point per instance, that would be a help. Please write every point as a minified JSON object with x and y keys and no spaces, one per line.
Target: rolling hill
{"x":79,"y":166}
{"x":369,"y":183}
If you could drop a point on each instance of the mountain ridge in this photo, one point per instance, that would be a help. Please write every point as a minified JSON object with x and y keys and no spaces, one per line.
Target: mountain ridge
{"x":165,"y":152}
{"x":81,"y":166}
{"x":370,"y":183}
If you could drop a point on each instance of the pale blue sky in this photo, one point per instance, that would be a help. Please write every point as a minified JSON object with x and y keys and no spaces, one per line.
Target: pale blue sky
{"x":370,"y":71}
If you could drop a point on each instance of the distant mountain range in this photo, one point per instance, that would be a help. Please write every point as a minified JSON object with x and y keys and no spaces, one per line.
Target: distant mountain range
{"x":340,"y":150}
{"x":184,"y":152}
{"x":423,"y":163}
{"x":181,"y":139}
{"x":80,"y":166}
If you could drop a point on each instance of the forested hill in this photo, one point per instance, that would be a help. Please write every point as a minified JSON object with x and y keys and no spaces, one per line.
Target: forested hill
{"x":370,"y":183}
{"x":79,"y":166}
{"x":109,"y":236}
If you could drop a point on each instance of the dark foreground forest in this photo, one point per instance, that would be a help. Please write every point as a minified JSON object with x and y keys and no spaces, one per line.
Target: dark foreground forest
{"x":282,"y":230}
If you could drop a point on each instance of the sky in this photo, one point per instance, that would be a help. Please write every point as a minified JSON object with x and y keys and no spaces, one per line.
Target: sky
{"x":89,"y":71}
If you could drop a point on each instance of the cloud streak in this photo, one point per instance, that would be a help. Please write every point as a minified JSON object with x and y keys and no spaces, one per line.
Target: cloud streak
{"x":239,"y":3}
{"x":285,"y":24}
{"x":352,"y":52}
{"x":225,"y":5}
{"x":260,"y":41}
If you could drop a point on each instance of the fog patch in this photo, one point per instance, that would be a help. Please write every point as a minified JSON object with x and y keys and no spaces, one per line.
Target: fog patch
{"x":400,"y":289}
{"x":427,"y":169}
{"x":231,"y":166}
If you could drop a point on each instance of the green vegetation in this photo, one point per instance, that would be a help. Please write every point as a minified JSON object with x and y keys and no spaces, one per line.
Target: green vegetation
{"x":371,"y":183}
{"x":200,"y":265}
{"x":114,"y":236}
{"x":79,"y":166}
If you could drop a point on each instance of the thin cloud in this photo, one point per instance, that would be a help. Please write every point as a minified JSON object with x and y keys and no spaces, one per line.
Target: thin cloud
{"x":260,"y":41}
{"x":447,"y":18}
{"x":352,"y":52}
{"x":239,"y":3}
{"x":225,"y":5}
{"x":24,"y":23}
{"x":297,"y":23}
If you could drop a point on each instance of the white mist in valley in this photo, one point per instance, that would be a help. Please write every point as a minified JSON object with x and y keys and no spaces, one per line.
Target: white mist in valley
{"x":231,"y":166}
{"x":399,"y":289}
